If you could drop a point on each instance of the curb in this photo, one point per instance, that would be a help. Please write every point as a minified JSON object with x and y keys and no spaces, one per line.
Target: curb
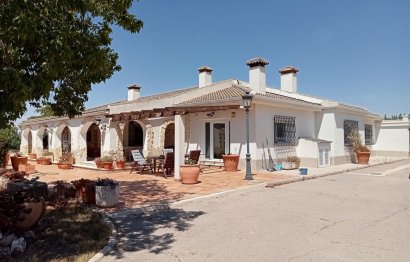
{"x":112,"y":240}
{"x":303,"y":178}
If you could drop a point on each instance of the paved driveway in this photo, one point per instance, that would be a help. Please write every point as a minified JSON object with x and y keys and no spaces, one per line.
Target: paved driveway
{"x":358,"y":216}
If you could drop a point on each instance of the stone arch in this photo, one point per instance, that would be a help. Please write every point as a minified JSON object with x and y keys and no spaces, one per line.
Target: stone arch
{"x":167,"y":130}
{"x":27,"y":144}
{"x":43,"y":138}
{"x":93,"y":142}
{"x":134,"y":137}
{"x":63,"y":135}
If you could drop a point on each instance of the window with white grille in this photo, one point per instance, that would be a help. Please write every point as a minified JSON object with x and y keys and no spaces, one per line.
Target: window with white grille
{"x":368,"y":134}
{"x":324,"y":156}
{"x":284,"y":130}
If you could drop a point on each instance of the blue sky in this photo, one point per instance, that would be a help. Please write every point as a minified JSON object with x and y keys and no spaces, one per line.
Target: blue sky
{"x":355,"y":52}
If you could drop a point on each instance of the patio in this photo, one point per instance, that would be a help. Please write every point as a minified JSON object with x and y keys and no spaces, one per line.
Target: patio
{"x":142,"y":190}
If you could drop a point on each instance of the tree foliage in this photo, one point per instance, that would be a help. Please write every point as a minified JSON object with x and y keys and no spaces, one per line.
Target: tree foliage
{"x":10,"y":134}
{"x":52,"y":51}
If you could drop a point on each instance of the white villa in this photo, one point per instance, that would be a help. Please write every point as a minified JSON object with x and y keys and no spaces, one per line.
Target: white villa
{"x":209,"y":117}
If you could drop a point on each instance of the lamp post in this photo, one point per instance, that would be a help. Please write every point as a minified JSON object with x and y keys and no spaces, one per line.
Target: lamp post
{"x":247,"y":102}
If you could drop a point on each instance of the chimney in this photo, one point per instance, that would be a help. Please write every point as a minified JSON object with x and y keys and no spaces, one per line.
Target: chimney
{"x":205,"y":76}
{"x":133,"y":92}
{"x":288,"y":79}
{"x":257,"y":74}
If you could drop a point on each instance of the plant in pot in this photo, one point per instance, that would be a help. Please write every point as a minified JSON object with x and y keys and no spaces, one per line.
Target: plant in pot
{"x":107,"y":192}
{"x":32,"y":156}
{"x":18,"y":159}
{"x":66,"y":161}
{"x":106,"y":162}
{"x":85,"y":190}
{"x":231,"y":162}
{"x":362,"y":151}
{"x":98,"y":162}
{"x":189,"y":172}
{"x":45,"y":159}
{"x":292,"y":162}
{"x":120,"y":162}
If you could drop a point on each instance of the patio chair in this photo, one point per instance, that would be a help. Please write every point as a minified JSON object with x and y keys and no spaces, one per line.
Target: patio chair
{"x":167,"y":166}
{"x":194,"y":156}
{"x":167,"y":150}
{"x":140,"y":162}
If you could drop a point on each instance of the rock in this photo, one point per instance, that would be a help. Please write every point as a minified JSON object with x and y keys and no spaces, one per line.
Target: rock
{"x":29,"y":234}
{"x":5,"y":251}
{"x":18,"y":246}
{"x":7,"y":240}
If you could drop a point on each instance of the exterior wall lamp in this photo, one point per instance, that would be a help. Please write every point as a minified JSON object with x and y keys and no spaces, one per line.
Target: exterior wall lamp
{"x":247,"y":103}
{"x":103,"y":127}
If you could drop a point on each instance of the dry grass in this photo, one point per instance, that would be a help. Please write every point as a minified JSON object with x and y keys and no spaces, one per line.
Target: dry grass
{"x":73,"y":233}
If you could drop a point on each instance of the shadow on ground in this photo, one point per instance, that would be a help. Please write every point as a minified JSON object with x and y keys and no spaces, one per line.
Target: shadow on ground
{"x":151,"y":231}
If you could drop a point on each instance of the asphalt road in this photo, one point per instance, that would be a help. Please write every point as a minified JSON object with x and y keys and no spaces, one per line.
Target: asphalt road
{"x":358,"y":216}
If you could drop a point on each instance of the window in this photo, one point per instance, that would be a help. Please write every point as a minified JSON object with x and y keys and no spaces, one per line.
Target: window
{"x":285,"y":130}
{"x":135,"y":134}
{"x":350,"y":126}
{"x":368,"y":134}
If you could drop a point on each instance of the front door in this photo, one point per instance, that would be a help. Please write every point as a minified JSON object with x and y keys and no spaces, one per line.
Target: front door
{"x":216,"y":137}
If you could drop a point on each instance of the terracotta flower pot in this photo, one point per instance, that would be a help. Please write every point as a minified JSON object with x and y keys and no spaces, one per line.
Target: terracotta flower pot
{"x":6,"y":160}
{"x":120,"y":164}
{"x":107,"y":165}
{"x":87,"y":193}
{"x":18,"y":160}
{"x":44,"y":161}
{"x":99,"y":164}
{"x":65,"y":166}
{"x":231,"y":162}
{"x":32,"y":156}
{"x":37,"y":211}
{"x":363,"y":158}
{"x":189,"y":174}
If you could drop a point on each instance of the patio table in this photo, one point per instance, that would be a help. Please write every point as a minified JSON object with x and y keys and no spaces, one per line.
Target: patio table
{"x":154,"y":160}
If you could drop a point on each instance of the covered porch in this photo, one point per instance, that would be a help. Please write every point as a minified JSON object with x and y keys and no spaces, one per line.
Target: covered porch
{"x":205,"y":128}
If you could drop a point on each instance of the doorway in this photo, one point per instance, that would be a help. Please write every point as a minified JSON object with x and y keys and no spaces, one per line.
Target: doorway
{"x":216,"y":137}
{"x":93,"y":142}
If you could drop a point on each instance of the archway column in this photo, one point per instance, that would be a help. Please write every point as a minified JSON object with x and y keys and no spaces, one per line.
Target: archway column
{"x":179,"y":145}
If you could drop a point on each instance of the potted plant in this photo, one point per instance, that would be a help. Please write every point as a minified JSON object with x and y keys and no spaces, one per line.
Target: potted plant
{"x":18,"y":159}
{"x":98,"y":162}
{"x":65,"y":162}
{"x":45,"y":159}
{"x":189,"y":172}
{"x":32,"y":156}
{"x":292,"y":162}
{"x":231,"y":162}
{"x":85,"y":190}
{"x":106,"y":162}
{"x":107,"y":192}
{"x":362,"y":151}
{"x":120,"y":162}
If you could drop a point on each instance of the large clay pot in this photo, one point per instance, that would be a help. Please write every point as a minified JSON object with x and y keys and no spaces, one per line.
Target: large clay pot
{"x":189,"y":174}
{"x":231,"y":162}
{"x":87,"y":193}
{"x":107,"y":196}
{"x":17,"y":160}
{"x":107,"y":165}
{"x":37,"y":211}
{"x":363,"y":158}
{"x":120,"y":164}
{"x":44,"y":161}
{"x":64,"y":166}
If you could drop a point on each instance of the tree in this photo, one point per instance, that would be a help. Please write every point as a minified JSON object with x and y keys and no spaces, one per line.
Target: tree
{"x":52,"y":51}
{"x":11,"y":135}
{"x":45,"y":111}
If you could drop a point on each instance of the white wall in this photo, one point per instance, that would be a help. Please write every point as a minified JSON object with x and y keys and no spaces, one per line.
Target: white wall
{"x":393,"y":138}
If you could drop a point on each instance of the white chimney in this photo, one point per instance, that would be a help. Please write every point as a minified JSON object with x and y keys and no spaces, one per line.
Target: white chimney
{"x":288,"y":79}
{"x":205,"y":76}
{"x":257,"y":74}
{"x":133,"y":92}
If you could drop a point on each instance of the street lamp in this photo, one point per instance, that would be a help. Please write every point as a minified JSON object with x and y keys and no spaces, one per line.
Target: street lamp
{"x":247,"y":102}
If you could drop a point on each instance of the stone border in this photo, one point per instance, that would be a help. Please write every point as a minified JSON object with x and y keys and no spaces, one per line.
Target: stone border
{"x":112,"y":240}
